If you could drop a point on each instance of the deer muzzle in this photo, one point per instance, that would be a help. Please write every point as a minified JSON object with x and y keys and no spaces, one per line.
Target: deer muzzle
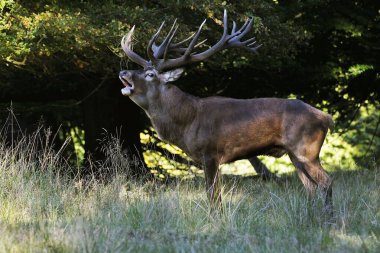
{"x":126,"y":78}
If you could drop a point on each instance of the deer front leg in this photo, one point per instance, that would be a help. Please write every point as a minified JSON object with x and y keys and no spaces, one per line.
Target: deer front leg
{"x":213,"y":184}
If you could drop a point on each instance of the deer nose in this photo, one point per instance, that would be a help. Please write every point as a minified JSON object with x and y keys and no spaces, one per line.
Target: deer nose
{"x":124,"y":73}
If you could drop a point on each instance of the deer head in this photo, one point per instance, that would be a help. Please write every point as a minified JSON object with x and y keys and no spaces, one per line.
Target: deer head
{"x":144,"y":85}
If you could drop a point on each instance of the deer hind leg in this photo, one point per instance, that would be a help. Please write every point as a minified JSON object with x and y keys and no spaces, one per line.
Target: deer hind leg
{"x":261,"y":169}
{"x":306,"y":158}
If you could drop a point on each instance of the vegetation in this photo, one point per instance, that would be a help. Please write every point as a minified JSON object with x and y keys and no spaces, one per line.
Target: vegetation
{"x":44,"y":210}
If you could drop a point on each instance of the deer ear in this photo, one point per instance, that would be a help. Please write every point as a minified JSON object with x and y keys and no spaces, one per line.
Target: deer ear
{"x":172,"y":75}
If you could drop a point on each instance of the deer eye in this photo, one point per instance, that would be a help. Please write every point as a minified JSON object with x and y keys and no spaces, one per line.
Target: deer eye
{"x":149,"y":74}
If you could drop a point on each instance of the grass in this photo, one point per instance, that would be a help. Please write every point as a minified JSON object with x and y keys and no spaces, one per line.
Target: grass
{"x":42,"y":209}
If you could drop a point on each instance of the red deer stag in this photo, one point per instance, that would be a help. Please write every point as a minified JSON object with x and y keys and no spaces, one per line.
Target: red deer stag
{"x":217,"y":130}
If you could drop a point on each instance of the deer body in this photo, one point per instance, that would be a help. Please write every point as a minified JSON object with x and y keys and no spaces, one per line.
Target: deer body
{"x":217,"y":130}
{"x":244,"y":128}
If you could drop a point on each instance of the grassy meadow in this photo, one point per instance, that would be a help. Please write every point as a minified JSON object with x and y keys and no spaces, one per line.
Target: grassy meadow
{"x":42,"y":209}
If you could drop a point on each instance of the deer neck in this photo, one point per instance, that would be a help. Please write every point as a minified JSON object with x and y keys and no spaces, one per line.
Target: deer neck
{"x":172,"y":112}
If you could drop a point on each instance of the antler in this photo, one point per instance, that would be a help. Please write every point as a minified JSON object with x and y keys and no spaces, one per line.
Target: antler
{"x":158,"y":55}
{"x":227,"y":40}
{"x":126,"y":45}
{"x":155,"y":53}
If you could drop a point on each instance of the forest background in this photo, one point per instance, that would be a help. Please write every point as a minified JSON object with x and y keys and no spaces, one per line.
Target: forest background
{"x":59,"y":64}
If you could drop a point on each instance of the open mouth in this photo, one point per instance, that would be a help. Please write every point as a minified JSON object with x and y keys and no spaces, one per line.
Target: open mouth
{"x":128,"y":89}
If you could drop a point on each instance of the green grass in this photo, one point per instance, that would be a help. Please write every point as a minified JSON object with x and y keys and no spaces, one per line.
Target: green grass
{"x":44,"y":210}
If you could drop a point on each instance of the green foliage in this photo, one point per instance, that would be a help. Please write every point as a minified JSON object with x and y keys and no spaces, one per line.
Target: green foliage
{"x":52,"y":38}
{"x":343,"y":51}
{"x":358,"y":145}
{"x":49,"y":37}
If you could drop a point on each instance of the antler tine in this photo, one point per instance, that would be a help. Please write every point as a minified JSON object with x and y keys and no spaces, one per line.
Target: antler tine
{"x":194,"y":40}
{"x":243,"y":26}
{"x":150,"y":51}
{"x":169,"y":41}
{"x":176,"y":45}
{"x":233,"y":27}
{"x":247,"y":44}
{"x":253,"y":49}
{"x":126,"y":42}
{"x":250,"y":41}
{"x":172,"y":49}
{"x":180,"y":50}
{"x":218,"y":46}
{"x":246,"y":29}
{"x":160,"y":50}
{"x":225,"y":24}
{"x":200,"y":43}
